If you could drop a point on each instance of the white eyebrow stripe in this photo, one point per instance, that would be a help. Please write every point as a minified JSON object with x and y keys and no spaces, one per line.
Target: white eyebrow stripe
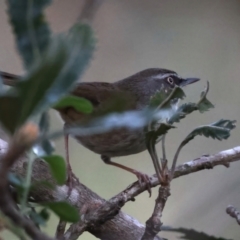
{"x":161,"y":76}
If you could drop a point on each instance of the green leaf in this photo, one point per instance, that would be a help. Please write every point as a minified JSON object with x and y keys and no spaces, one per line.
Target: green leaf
{"x":58,"y":167}
{"x":64,"y":210}
{"x":218,"y":130}
{"x":191,"y":234}
{"x":204,"y":104}
{"x":78,"y":103}
{"x":62,"y":64}
{"x":30,"y":28}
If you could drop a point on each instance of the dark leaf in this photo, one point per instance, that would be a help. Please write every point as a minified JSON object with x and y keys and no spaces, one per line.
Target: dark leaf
{"x":78,"y":103}
{"x":44,"y":122}
{"x":204,"y":104}
{"x":58,"y":167}
{"x":182,"y":111}
{"x":31,"y":30}
{"x":191,"y":234}
{"x":219,"y":130}
{"x":37,"y":218}
{"x":9,"y":112}
{"x":44,"y":214}
{"x":64,"y":210}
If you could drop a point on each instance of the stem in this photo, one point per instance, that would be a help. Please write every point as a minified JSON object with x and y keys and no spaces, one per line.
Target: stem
{"x":27,"y":183}
{"x":155,"y":161}
{"x":163,"y":148}
{"x":176,"y":157}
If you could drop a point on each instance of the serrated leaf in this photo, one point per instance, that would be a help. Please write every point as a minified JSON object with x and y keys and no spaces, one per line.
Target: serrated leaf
{"x":204,"y":104}
{"x":31,"y":31}
{"x":182,"y":111}
{"x":58,"y":168}
{"x":78,"y":103}
{"x":191,"y":234}
{"x":64,"y":210}
{"x":218,"y":130}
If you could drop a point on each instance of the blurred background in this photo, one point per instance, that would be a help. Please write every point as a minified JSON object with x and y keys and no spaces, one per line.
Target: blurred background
{"x":194,"y":38}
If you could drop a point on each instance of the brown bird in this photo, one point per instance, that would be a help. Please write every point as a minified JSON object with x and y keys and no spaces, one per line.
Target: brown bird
{"x":134,"y":93}
{"x":137,"y":91}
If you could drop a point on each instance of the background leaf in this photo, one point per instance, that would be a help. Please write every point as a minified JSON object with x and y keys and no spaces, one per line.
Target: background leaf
{"x":58,"y":168}
{"x":30,"y":28}
{"x":64,"y":210}
{"x":47,"y":82}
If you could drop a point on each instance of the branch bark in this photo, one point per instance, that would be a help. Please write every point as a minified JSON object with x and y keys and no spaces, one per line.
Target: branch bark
{"x":121,"y":226}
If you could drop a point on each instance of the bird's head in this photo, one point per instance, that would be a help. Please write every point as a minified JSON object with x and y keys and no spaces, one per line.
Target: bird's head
{"x":165,"y":77}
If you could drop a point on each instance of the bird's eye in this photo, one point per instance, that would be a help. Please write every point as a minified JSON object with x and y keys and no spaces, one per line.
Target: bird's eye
{"x":170,"y":80}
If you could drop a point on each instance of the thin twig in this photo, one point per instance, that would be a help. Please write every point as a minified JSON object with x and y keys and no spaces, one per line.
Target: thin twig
{"x":233,"y":212}
{"x":175,"y":158}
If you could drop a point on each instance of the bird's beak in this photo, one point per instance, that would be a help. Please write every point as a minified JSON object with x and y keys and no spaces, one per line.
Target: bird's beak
{"x":187,"y":81}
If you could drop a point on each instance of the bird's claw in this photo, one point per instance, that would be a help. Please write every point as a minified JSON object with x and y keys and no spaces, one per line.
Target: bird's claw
{"x":144,"y":178}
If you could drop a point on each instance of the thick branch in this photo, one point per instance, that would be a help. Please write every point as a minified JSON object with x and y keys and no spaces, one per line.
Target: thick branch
{"x":20,"y":143}
{"x":120,"y":227}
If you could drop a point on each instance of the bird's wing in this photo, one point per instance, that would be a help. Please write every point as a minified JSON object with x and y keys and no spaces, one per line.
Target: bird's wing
{"x":105,"y":98}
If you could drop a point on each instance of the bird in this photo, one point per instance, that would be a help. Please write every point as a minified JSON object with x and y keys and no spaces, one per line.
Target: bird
{"x":137,"y":91}
{"x":134,"y":93}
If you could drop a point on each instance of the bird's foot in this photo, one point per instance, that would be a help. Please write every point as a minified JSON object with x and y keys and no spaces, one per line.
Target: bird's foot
{"x":70,"y":180}
{"x":144,"y":178}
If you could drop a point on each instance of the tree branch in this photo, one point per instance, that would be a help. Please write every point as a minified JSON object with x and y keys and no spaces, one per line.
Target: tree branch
{"x":22,"y":140}
{"x":153,"y":224}
{"x":120,"y":227}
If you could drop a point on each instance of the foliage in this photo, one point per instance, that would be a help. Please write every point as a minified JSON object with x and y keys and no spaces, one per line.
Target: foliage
{"x":53,"y":63}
